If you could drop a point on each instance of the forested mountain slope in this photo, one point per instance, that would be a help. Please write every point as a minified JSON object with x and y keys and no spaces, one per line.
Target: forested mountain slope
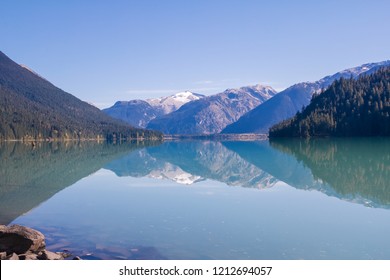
{"x":33,"y":108}
{"x":348,"y":107}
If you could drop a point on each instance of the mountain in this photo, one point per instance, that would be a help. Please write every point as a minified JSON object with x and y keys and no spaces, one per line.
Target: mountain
{"x":33,"y":108}
{"x":139,"y":112}
{"x":349,"y":107}
{"x":166,"y":105}
{"x":288,"y":102}
{"x":212,"y":113}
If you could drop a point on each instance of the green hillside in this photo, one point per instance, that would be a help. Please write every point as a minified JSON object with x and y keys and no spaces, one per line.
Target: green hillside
{"x":31,"y":108}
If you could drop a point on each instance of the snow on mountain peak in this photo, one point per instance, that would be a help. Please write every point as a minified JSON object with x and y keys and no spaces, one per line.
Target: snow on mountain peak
{"x":256,"y":92}
{"x":186,"y":96}
{"x":173,"y":102}
{"x":260,"y":87}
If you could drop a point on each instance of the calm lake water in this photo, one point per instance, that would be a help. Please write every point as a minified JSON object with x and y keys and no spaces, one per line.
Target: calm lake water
{"x":291,"y":199}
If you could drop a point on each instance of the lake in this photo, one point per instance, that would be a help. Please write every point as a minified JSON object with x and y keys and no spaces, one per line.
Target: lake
{"x":285,"y":199}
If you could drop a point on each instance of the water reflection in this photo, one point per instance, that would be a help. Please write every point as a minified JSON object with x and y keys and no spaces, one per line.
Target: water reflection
{"x":30,"y":174}
{"x":192,"y":162}
{"x":131,"y":213}
{"x":355,"y":169}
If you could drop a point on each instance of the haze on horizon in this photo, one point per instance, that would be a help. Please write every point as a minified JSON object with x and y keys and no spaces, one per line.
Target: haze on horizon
{"x":103,"y":51}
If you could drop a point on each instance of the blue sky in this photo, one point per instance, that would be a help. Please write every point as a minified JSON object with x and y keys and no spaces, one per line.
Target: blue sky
{"x":104,"y":51}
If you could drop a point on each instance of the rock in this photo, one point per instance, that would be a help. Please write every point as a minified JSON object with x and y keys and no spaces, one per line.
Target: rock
{"x":20,"y":240}
{"x":65,"y":254}
{"x":77,"y":258}
{"x":47,"y":255}
{"x":23,"y":243}
{"x":31,"y":257}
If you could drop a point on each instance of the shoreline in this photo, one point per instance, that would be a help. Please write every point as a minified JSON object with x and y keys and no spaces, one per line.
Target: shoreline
{"x":166,"y":137}
{"x":99,"y":140}
{"x":217,"y":137}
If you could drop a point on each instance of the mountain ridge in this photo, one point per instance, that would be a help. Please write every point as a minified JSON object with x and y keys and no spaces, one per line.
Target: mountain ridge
{"x":173,"y":102}
{"x":212,"y":113}
{"x":286,"y":103}
{"x":139,"y":112}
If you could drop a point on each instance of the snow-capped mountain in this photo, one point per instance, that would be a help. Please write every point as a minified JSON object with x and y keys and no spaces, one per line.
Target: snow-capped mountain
{"x":140,"y":112}
{"x":285,"y":104}
{"x":212,"y":113}
{"x":266,"y":91}
{"x":173,"y":102}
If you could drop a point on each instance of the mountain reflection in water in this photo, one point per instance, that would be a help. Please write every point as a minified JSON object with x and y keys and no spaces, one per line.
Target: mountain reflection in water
{"x":202,"y":199}
{"x":191,"y":162}
{"x":355,"y":170}
{"x":29,"y":175}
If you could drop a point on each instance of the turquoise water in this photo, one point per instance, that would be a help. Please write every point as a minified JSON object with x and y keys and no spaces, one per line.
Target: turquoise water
{"x":319,"y":199}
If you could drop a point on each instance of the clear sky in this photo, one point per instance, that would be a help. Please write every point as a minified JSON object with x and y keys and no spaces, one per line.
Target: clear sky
{"x":104,"y":51}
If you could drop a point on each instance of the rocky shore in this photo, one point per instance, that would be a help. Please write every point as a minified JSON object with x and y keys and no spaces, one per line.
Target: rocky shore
{"x":23,"y":243}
